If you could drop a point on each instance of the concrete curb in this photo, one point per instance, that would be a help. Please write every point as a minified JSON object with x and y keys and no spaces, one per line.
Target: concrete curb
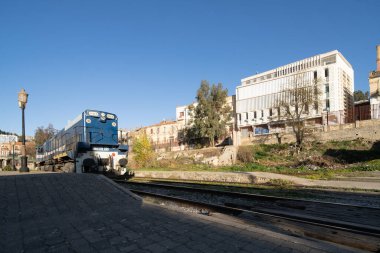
{"x":255,"y":178}
{"x":125,"y":190}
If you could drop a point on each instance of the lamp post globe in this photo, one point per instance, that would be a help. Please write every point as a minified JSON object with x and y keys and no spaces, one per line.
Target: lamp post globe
{"x":22,"y":100}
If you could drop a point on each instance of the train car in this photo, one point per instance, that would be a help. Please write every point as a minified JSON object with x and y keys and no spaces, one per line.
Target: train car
{"x":89,"y":143}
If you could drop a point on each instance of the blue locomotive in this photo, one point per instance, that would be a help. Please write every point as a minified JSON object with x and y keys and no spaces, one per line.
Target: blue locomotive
{"x":89,"y":143}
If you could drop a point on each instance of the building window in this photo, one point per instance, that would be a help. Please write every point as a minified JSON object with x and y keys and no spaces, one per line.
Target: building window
{"x":327,"y":104}
{"x":158,"y":130}
{"x":164,"y":129}
{"x":307,"y":108}
{"x":239,"y":117}
{"x":246,"y":116}
{"x":316,"y":107}
{"x":262,"y":113}
{"x":270,"y":112}
{"x":151,"y":131}
{"x":181,"y":114}
{"x":326,"y":72}
{"x":315,"y":75}
{"x":254,"y":114}
{"x":278,"y":111}
{"x":327,"y":90}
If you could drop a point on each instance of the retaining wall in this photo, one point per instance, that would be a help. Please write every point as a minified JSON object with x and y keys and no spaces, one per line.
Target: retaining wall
{"x":366,"y":129}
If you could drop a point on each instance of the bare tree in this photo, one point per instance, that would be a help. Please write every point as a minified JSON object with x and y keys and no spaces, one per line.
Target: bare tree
{"x":297,"y":97}
{"x":42,"y":134}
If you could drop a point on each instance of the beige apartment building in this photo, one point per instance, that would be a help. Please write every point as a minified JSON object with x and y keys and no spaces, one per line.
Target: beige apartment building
{"x":167,"y":135}
{"x":164,"y":136}
{"x":374,"y":87}
{"x":8,"y":151}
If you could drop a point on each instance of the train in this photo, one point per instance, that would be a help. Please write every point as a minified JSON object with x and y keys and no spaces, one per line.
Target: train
{"x":89,"y":143}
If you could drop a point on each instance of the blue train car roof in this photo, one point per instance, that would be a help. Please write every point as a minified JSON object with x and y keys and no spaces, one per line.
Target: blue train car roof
{"x":76,"y":120}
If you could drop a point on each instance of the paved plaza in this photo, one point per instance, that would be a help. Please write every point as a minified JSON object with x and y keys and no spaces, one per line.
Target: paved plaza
{"x":89,"y":213}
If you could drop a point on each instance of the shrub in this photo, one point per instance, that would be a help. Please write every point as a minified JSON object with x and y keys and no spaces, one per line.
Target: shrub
{"x":280,"y":182}
{"x":143,"y":152}
{"x":245,"y":154}
{"x":8,"y":168}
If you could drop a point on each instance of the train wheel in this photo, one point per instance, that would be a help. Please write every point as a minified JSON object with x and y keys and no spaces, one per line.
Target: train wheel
{"x":89,"y":165}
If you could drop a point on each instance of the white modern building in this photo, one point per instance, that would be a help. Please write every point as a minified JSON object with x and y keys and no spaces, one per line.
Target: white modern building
{"x":6,"y":138}
{"x":182,"y":114}
{"x":257,"y":96}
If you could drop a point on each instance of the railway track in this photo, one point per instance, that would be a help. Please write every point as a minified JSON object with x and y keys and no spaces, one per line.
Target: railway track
{"x":350,"y":225}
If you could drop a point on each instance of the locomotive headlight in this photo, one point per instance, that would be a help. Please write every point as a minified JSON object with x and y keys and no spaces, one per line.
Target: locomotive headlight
{"x":114,"y":124}
{"x":110,"y":116}
{"x":103,"y":114}
{"x":88,"y":121}
{"x":94,"y":114}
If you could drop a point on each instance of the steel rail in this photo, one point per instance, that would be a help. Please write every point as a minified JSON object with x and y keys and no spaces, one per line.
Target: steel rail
{"x":247,"y":195}
{"x":359,"y":237}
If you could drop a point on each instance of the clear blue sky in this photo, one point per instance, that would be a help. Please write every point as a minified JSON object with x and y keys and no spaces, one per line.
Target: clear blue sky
{"x":140,"y":59}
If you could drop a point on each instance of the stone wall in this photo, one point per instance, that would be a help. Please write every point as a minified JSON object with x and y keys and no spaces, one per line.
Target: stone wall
{"x":366,"y":129}
{"x":214,"y":156}
{"x":219,"y":156}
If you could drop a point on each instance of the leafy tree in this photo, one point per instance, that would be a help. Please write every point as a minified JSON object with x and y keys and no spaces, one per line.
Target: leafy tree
{"x":143,"y":151}
{"x":359,"y":95}
{"x":8,"y":168}
{"x":7,"y":133}
{"x":295,"y":101}
{"x":30,"y":149}
{"x":210,"y":115}
{"x":43,"y":134}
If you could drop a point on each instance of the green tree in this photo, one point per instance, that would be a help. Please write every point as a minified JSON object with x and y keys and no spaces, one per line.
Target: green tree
{"x":359,"y":95}
{"x":7,"y":133}
{"x":143,"y":152}
{"x":43,"y":134}
{"x":210,"y":115}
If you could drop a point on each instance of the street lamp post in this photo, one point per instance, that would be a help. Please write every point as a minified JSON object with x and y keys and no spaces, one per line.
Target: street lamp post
{"x":327,"y":110}
{"x":22,"y":100}
{"x":13,"y":156}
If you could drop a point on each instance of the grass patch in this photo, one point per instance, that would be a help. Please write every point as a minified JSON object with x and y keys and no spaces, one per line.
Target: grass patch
{"x":280,"y":182}
{"x":302,"y":171}
{"x":314,"y":162}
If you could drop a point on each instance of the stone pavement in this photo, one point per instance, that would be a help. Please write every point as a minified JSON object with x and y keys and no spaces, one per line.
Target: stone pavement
{"x":89,"y":213}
